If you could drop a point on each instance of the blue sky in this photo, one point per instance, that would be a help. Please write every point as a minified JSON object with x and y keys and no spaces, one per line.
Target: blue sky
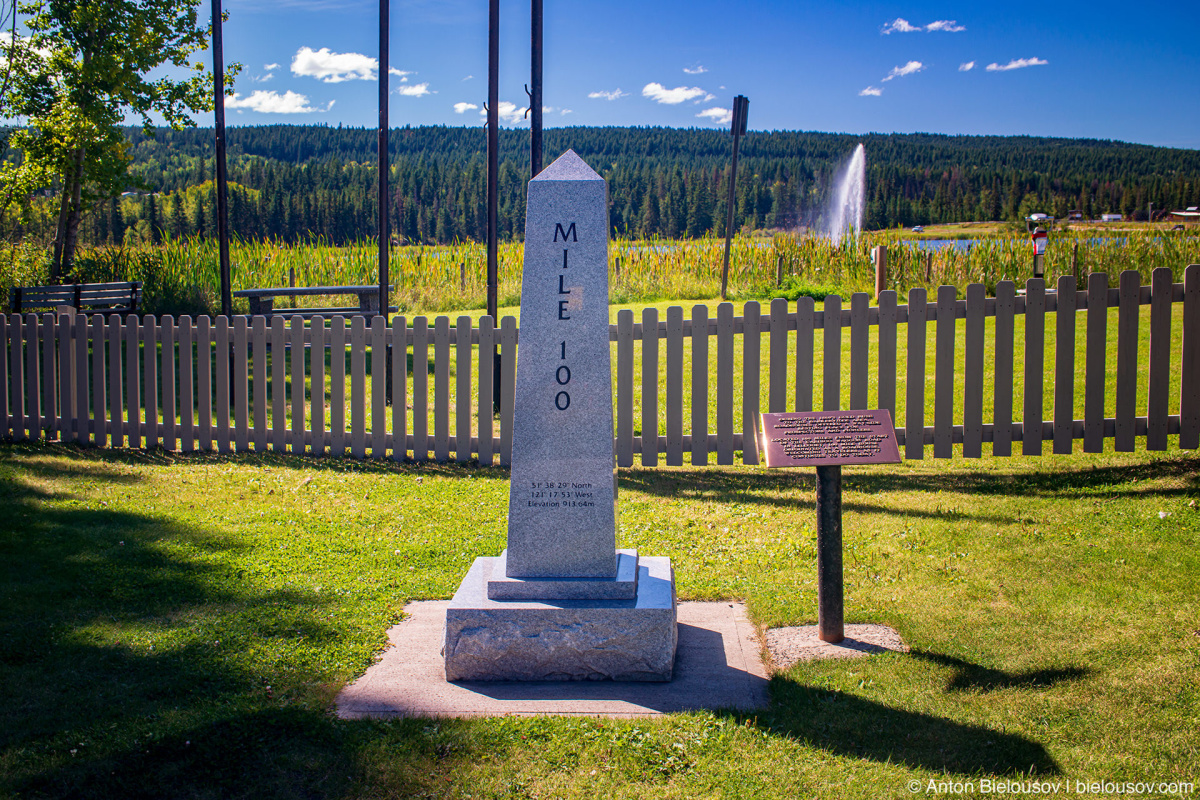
{"x":1100,"y":70}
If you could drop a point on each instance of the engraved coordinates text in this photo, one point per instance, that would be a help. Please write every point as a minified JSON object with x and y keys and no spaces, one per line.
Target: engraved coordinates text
{"x":560,"y":494}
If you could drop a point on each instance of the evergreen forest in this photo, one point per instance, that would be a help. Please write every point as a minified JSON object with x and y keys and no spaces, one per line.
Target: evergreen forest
{"x":298,"y":183}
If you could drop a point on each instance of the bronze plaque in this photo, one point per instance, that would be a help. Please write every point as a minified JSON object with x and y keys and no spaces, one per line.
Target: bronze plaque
{"x":829,"y":438}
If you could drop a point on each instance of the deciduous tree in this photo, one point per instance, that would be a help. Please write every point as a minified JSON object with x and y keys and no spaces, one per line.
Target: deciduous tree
{"x":84,"y":68}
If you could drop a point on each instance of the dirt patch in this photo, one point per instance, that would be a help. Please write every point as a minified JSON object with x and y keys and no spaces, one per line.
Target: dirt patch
{"x":789,"y":646}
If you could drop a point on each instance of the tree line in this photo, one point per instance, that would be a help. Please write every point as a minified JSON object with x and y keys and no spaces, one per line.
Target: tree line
{"x":294,"y":182}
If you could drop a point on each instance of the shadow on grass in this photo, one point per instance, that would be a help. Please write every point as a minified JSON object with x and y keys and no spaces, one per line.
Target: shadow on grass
{"x":137,"y":662}
{"x":90,"y":708}
{"x":974,"y":677}
{"x":1112,"y":481}
{"x":855,"y":727}
{"x":730,"y":486}
{"x":114,"y":458}
{"x":770,"y":489}
{"x":269,"y":753}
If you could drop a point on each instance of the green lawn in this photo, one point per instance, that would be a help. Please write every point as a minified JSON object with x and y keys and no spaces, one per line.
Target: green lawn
{"x":178,"y":627}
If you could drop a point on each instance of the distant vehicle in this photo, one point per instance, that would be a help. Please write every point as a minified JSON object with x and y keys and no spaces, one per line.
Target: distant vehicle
{"x":1038,"y":217}
{"x":1110,"y":218}
{"x":918,"y":229}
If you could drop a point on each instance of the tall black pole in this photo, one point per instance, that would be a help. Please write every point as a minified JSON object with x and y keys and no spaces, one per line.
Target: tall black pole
{"x":740,"y":109}
{"x":385,"y":236}
{"x":830,"y":626}
{"x":222,"y":181}
{"x":493,"y":179}
{"x":493,"y":152}
{"x":535,"y":94}
{"x":729,"y":202}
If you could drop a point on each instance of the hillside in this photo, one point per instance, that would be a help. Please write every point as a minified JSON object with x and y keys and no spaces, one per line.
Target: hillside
{"x":293,"y":182}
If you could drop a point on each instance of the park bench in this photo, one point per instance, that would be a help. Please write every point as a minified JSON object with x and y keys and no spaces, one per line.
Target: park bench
{"x":262,"y":301}
{"x":116,"y":297}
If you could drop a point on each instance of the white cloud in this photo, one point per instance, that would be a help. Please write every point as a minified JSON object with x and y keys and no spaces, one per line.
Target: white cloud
{"x":403,"y":73}
{"x":899,"y":25}
{"x":508,"y":113}
{"x":871,"y":91}
{"x":330,"y":67}
{"x":672,"y":97}
{"x":262,"y":78}
{"x":414,"y":90}
{"x":1017,"y":63}
{"x":462,"y":108}
{"x":966,"y":66}
{"x":613,"y":95}
{"x":274,"y":103}
{"x":566,"y":111}
{"x":697,"y":70}
{"x":469,"y":77}
{"x":717,"y":116}
{"x":907,"y":69}
{"x":269,"y":67}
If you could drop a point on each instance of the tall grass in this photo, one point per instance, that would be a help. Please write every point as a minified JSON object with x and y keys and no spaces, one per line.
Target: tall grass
{"x":182,"y":276}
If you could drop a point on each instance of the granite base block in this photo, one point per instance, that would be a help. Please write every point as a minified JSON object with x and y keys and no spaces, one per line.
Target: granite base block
{"x":563,"y":640}
{"x":622,"y":587}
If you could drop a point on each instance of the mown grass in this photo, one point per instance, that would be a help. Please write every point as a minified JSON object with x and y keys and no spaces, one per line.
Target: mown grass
{"x":178,"y":626}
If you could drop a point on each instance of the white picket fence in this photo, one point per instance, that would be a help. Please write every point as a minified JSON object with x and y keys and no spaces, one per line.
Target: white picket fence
{"x":245,"y":384}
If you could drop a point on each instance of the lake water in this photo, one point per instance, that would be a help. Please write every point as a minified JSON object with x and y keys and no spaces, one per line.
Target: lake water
{"x":965,"y":245}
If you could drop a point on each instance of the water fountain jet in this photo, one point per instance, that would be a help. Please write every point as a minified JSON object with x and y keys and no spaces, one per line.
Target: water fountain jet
{"x":849,"y":198}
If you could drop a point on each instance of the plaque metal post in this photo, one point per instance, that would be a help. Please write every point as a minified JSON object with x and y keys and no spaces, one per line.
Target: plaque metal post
{"x":829,"y":554}
{"x":827,"y":440}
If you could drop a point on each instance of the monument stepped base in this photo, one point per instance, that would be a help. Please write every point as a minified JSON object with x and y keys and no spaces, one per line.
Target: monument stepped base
{"x":622,"y":587}
{"x":562,"y":640}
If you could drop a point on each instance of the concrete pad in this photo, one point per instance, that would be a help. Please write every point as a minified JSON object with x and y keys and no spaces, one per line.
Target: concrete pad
{"x":718,"y":664}
{"x":788,"y":646}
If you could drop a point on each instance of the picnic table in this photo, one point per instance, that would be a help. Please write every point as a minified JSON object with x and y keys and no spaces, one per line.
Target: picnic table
{"x":262,"y":301}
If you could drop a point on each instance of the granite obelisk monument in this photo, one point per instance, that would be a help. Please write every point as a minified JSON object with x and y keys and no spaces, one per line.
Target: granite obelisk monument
{"x":562,"y":603}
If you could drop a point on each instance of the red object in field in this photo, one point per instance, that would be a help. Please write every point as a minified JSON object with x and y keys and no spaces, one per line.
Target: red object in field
{"x":1040,"y":238}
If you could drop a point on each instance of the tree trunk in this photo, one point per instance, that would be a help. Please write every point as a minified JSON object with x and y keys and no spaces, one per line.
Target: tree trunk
{"x":60,"y":233}
{"x":74,"y":214}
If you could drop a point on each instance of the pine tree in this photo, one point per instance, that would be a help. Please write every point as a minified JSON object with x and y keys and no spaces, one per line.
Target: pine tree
{"x":152,"y":220}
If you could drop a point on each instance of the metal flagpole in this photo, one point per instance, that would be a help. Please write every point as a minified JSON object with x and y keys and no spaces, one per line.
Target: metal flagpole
{"x":222,"y":180}
{"x":493,"y":151}
{"x":384,"y":218}
{"x":493,"y":176}
{"x":740,"y":107}
{"x":535,"y":93}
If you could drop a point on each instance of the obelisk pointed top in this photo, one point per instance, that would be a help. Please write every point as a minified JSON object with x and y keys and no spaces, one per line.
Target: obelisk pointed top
{"x":568,"y":167}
